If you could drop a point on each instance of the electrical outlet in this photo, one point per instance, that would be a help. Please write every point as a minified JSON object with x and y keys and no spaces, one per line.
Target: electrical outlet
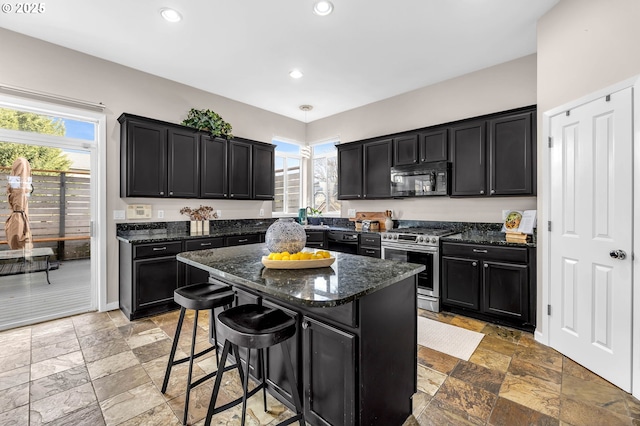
{"x":351,"y":213}
{"x":261,"y":212}
{"x":160,"y":214}
{"x":118,"y":215}
{"x":219,"y":213}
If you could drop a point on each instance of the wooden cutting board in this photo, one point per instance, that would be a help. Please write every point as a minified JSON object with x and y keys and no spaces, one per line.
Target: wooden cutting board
{"x":379,"y":216}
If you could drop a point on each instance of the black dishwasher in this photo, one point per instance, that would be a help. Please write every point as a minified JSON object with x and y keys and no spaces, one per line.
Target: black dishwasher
{"x":343,"y":241}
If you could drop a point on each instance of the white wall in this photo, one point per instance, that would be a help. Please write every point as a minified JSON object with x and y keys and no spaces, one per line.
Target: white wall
{"x":37,"y":65}
{"x":502,"y":87}
{"x":583,"y":46}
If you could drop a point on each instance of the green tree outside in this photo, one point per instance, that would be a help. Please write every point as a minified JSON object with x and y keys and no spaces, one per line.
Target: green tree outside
{"x":40,"y":157}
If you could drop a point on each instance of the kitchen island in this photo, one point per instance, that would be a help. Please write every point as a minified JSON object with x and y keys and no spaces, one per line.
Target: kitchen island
{"x":355,"y":349}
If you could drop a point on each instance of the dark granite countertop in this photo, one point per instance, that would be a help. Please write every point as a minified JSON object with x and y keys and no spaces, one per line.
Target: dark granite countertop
{"x":349,"y":278}
{"x":487,"y":237}
{"x":161,"y":235}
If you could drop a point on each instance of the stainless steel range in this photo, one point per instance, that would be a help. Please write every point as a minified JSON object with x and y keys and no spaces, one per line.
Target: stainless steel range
{"x":422,"y":246}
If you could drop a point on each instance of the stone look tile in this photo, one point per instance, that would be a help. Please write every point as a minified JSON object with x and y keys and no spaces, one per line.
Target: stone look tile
{"x":14,"y":360}
{"x":109,"y":386}
{"x":475,"y":401}
{"x":436,"y":360}
{"x":118,"y":318}
{"x":14,"y":397}
{"x":54,"y":350}
{"x":499,"y":345}
{"x":429,"y":381}
{"x":468,"y":323}
{"x":16,"y":417}
{"x":420,"y":402}
{"x":597,"y":393}
{"x":145,"y":337}
{"x":440,"y":413}
{"x":104,"y":350}
{"x":579,"y":413}
{"x":130,"y":404}
{"x":474,"y":374}
{"x":62,"y":404}
{"x":92,"y":327}
{"x":111,"y":364}
{"x":540,"y":355}
{"x":89,"y":415}
{"x":52,"y":327}
{"x":44,"y":340}
{"x":58,"y":382}
{"x":99,"y":337}
{"x":530,"y":394}
{"x":14,"y":377}
{"x":504,"y":333}
{"x":16,"y":346}
{"x":178,"y":378}
{"x":153,"y":350}
{"x":18,"y":334}
{"x":56,"y":365}
{"x":135,"y":327}
{"x":509,"y":413}
{"x":490,"y":359}
{"x":158,"y":415}
{"x":524,"y":369}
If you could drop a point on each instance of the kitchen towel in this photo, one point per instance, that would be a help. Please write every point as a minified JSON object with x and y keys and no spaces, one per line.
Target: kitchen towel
{"x":455,"y":341}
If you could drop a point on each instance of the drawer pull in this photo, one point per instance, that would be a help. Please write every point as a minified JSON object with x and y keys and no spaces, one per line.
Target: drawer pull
{"x":243,"y":241}
{"x":479,"y":251}
{"x":205,"y":244}
{"x":370,"y":251}
{"x":159,"y":248}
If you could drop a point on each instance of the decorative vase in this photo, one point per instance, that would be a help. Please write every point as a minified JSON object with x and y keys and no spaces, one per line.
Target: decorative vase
{"x":205,"y":227}
{"x":388,"y":223}
{"x":195,"y":227}
{"x":285,"y":235}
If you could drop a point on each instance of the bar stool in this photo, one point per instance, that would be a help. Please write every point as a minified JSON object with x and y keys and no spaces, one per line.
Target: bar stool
{"x":197,"y":297}
{"x":255,"y":327}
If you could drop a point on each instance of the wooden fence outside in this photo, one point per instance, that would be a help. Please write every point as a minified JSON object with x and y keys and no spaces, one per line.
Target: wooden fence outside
{"x":59,"y":212}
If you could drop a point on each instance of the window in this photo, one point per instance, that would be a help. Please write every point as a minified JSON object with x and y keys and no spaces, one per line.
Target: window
{"x":288,"y":163}
{"x":325,"y":178}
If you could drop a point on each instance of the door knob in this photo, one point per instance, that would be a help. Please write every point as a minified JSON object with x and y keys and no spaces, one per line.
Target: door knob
{"x":618,"y":254}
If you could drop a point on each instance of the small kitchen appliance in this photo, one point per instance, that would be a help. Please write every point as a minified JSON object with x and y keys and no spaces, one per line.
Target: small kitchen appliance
{"x":422,"y":246}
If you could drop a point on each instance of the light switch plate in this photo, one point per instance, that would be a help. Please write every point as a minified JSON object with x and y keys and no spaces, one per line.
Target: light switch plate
{"x":351,"y":212}
{"x":139,"y":211}
{"x":118,"y":215}
{"x":160,"y":214}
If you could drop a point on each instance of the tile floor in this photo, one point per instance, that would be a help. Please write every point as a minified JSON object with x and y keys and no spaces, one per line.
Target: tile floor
{"x":101,"y":369}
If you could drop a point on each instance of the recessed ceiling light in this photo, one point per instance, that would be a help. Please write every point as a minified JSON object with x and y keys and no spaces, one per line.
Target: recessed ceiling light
{"x":306,"y":108}
{"x":295,"y":74}
{"x":170,"y":15}
{"x":323,"y":8}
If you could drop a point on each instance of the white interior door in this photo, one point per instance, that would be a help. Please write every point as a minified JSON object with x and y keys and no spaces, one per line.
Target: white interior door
{"x":591,"y":165}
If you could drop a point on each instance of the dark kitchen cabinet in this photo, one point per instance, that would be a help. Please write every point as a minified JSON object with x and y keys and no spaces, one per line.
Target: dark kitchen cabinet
{"x":238,"y":240}
{"x":158,"y":160}
{"x":240,"y":170}
{"x":349,"y":171}
{"x":149,"y":274}
{"x":263,"y":175}
{"x":143,"y":155}
{"x":329,"y":357}
{"x":376,"y":166}
{"x":369,"y":244}
{"x":405,"y":150}
{"x":195,"y":275}
{"x":433,"y":145}
{"x":213,"y":170}
{"x":494,"y":282}
{"x":316,"y":239}
{"x":469,"y":159}
{"x":512,"y":155}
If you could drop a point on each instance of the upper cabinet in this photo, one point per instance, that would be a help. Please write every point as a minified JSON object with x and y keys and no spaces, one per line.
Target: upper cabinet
{"x":494,"y":157}
{"x":423,"y":147}
{"x":364,"y":170}
{"x":168,"y":160}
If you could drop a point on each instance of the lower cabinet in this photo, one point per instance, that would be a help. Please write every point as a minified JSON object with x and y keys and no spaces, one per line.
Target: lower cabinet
{"x":316,"y":239}
{"x":193,"y":275}
{"x":149,"y":274}
{"x":328,"y":374}
{"x":369,"y":245}
{"x":496,"y":282}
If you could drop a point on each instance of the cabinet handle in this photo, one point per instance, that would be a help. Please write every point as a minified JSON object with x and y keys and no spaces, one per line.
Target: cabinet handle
{"x":231,"y":195}
{"x":205,"y":244}
{"x":479,"y":251}
{"x":305,"y":324}
{"x":370,"y":251}
{"x":243,"y":241}
{"x":474,"y":264}
{"x":482,"y":192}
{"x":358,"y":195}
{"x":161,"y":192}
{"x":159,"y":248}
{"x":224,"y":195}
{"x":493,"y":191}
{"x":486,"y":265}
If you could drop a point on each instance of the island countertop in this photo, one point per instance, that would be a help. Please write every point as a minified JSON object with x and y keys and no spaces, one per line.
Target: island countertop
{"x":350,"y":277}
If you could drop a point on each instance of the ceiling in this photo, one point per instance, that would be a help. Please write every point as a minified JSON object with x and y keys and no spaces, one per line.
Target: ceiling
{"x":365,"y":51}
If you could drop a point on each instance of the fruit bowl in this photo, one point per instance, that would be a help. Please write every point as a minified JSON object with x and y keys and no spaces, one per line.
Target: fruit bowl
{"x":297,"y":264}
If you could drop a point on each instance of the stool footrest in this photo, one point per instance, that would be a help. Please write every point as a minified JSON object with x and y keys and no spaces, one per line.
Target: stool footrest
{"x":180,"y":361}
{"x":237,"y":401}
{"x":210,"y":375}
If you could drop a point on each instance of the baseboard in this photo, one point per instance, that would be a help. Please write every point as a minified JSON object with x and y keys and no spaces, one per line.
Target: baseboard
{"x":540,"y":338}
{"x":111,"y":306}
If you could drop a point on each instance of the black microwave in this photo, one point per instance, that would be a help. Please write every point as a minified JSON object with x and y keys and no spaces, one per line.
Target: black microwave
{"x":418,"y":180}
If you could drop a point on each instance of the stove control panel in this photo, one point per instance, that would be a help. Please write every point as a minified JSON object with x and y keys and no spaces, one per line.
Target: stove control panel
{"x":396,"y":237}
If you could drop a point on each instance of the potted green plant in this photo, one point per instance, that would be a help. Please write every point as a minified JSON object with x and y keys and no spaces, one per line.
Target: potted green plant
{"x":208,"y":121}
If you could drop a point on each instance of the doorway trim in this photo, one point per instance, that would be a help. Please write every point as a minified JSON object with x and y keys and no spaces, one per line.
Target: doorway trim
{"x":98,"y":177}
{"x":543,"y":329}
